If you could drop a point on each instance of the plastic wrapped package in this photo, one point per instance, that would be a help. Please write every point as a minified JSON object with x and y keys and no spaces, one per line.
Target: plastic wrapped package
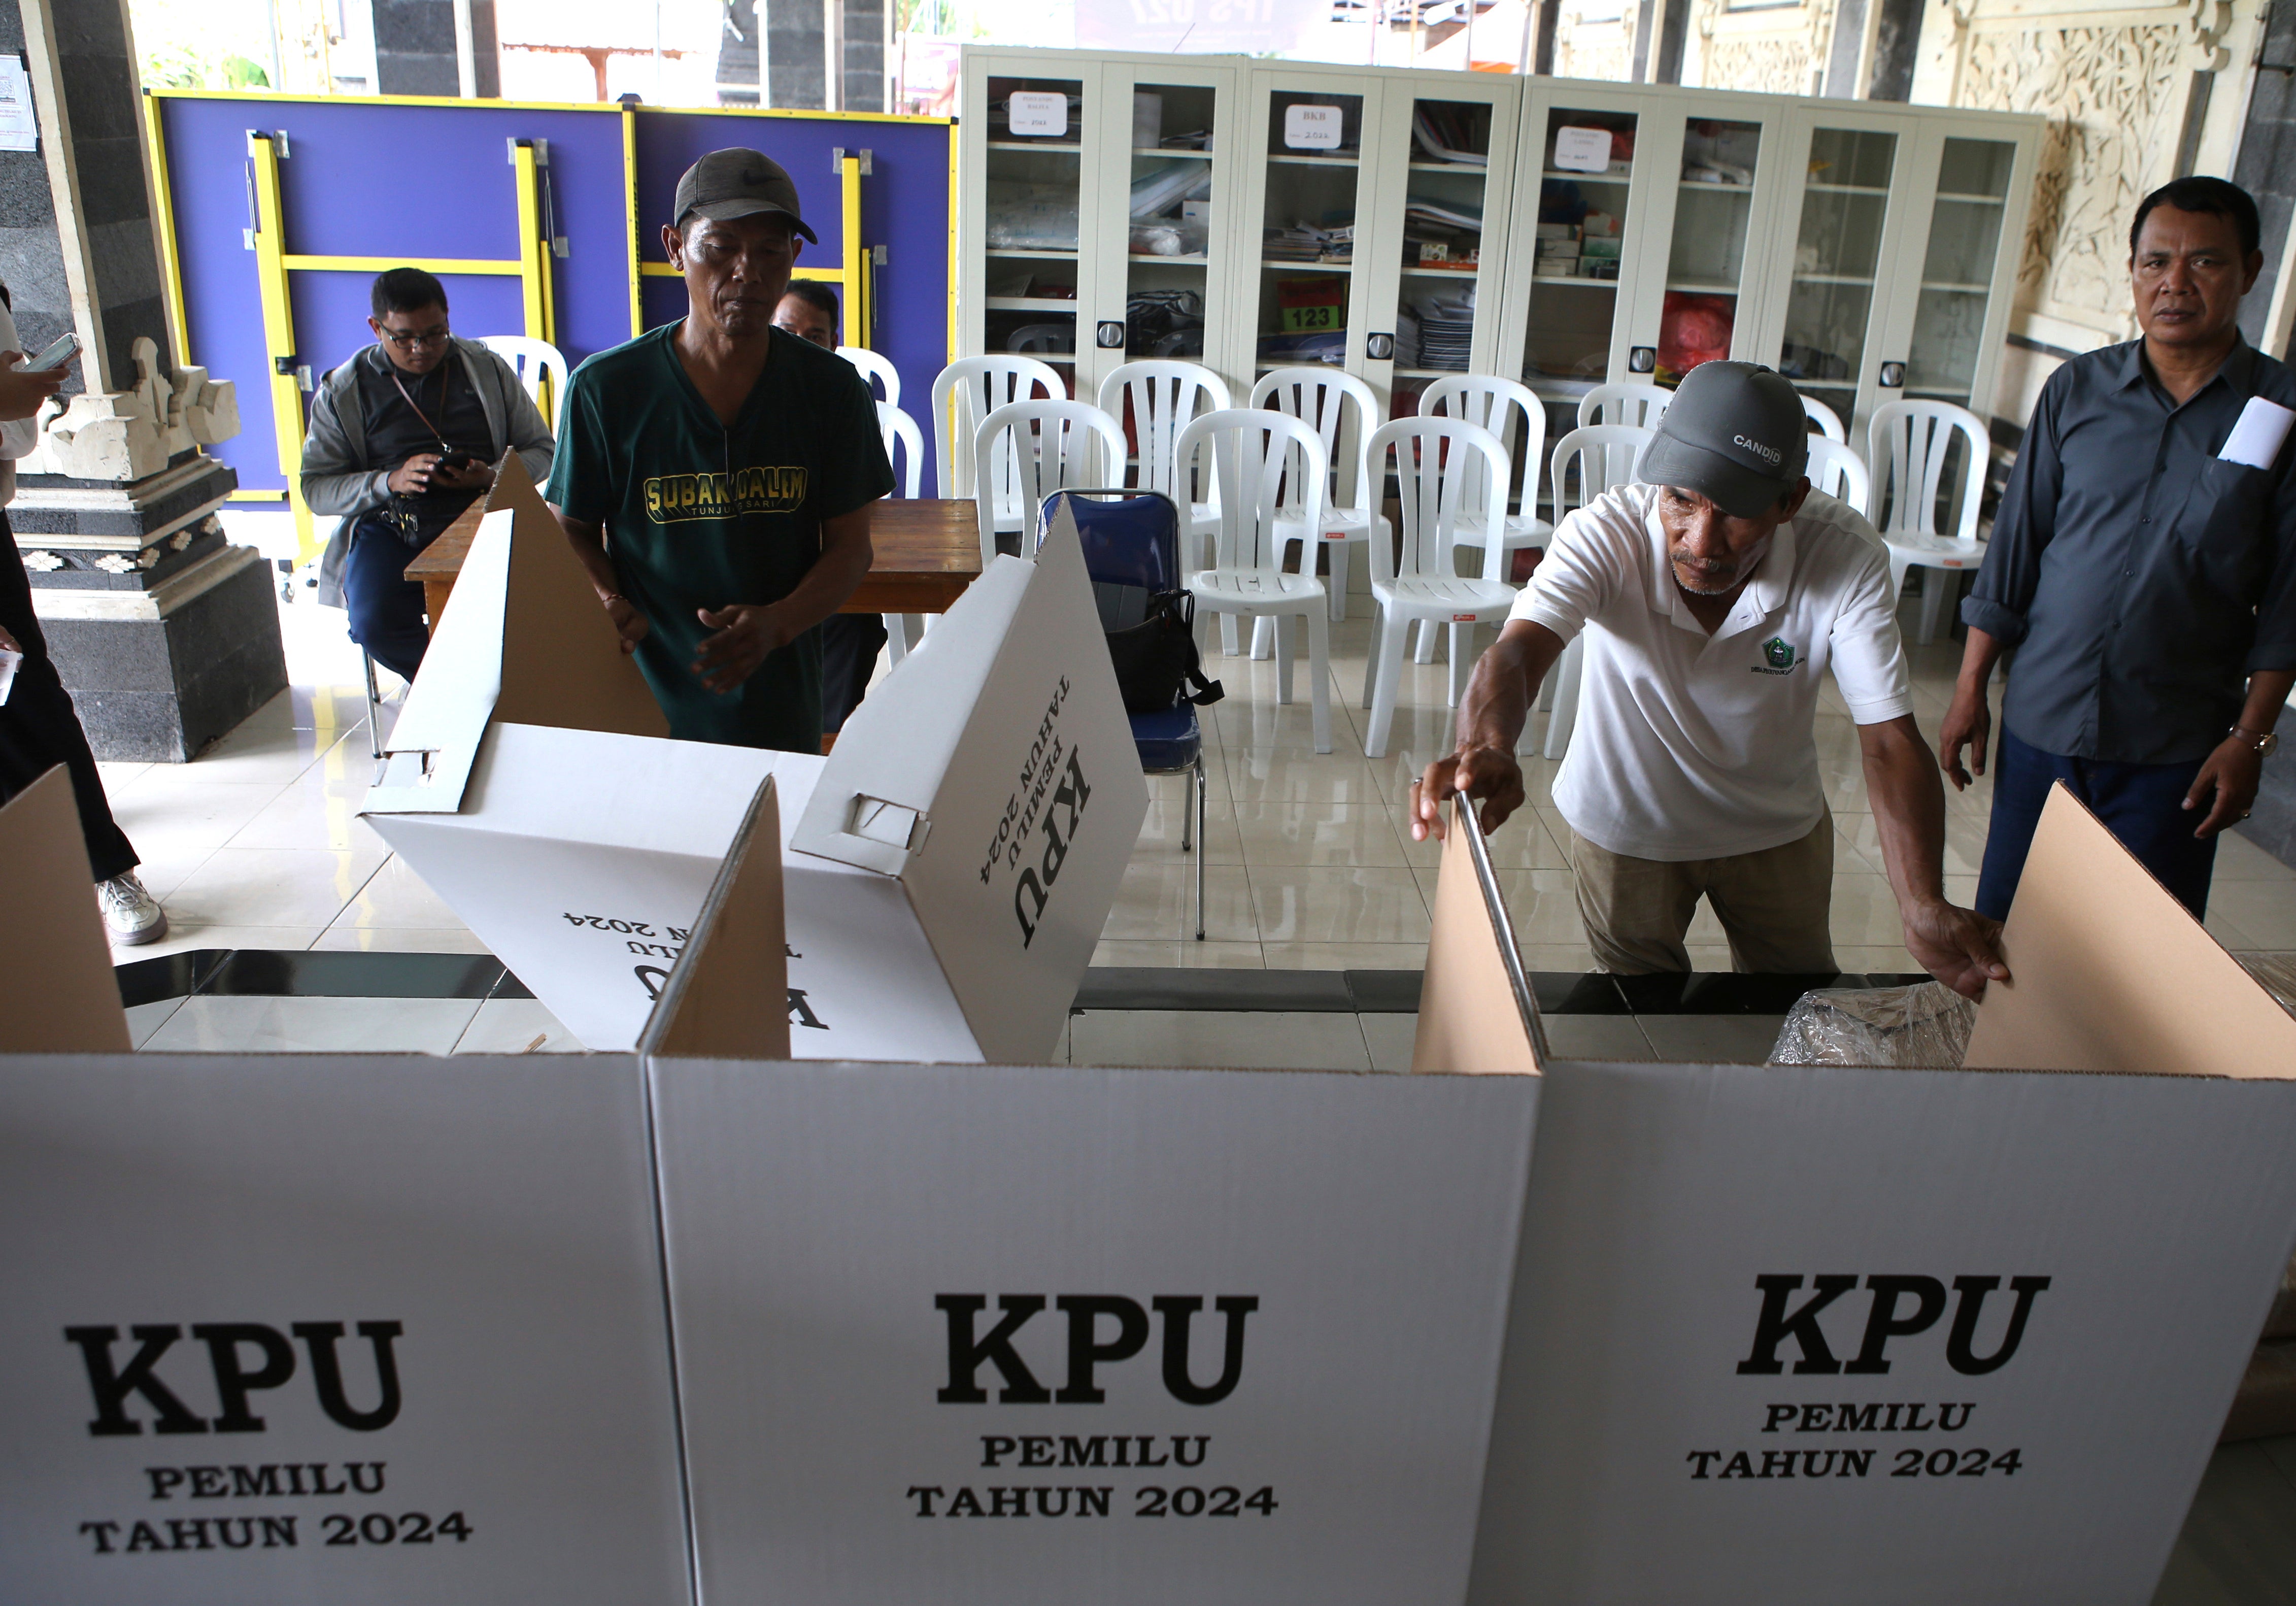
{"x":1925,"y":1027}
{"x":2276,"y":974}
{"x":1031,"y":216}
{"x":1169,"y":237}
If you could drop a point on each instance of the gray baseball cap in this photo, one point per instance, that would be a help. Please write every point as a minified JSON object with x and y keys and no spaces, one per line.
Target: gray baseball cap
{"x":1735,"y":433}
{"x":738,"y":183}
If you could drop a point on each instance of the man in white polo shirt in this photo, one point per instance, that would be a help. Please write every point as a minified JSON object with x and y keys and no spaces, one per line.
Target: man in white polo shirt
{"x":1713,"y":597}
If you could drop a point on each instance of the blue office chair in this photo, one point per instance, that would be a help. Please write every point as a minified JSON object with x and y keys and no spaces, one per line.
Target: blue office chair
{"x":1131,"y":543}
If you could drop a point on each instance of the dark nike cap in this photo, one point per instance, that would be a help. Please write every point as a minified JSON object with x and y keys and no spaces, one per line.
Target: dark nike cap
{"x":1735,"y":433}
{"x":738,"y":183}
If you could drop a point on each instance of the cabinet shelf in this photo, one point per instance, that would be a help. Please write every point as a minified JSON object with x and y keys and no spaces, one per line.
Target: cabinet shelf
{"x":1195,"y":261}
{"x":1027,"y":304}
{"x":1307,"y":267}
{"x":1539,"y":279}
{"x":1831,"y":279}
{"x":1465,"y":270}
{"x":1620,"y":179}
{"x":1315,"y":161}
{"x":1428,"y":372}
{"x":1466,"y":170}
{"x":1700,"y":287}
{"x":1067,"y":147}
{"x":1847,"y":189}
{"x":1950,"y":288}
{"x":1718,"y":188}
{"x":1031,"y":251}
{"x":1975,"y":201}
{"x":1184,"y":152}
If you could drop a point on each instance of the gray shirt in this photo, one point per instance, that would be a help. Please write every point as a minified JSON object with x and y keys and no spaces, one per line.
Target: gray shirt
{"x":2140,"y":579}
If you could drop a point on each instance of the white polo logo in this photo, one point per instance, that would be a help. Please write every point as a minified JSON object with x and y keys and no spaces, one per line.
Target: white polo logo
{"x":1769,"y":452}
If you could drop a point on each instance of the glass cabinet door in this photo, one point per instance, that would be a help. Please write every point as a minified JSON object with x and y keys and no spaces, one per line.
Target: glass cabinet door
{"x":1713,"y":214}
{"x":1305,"y":311}
{"x":1034,"y":158}
{"x":1440,"y":290}
{"x":1834,"y":290}
{"x":1174,"y":281}
{"x":1957,"y":269}
{"x":1586,"y":162}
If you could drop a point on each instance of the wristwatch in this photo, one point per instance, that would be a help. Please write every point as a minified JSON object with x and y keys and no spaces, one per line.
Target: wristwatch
{"x":2264,"y":745}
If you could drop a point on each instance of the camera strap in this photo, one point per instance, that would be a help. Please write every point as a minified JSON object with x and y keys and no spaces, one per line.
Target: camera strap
{"x":445,"y":372}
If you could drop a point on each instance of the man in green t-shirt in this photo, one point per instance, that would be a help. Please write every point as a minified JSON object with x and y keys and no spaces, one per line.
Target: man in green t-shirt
{"x":715,"y":475}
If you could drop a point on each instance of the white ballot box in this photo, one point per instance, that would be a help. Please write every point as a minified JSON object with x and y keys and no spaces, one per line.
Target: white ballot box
{"x":945,"y":872}
{"x":1837,"y":1336}
{"x":354,"y":1328}
{"x":974,"y":1334}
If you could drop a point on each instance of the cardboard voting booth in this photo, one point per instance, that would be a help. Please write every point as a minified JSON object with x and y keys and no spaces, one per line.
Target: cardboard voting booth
{"x":1803,"y":1334}
{"x":974,"y":1334}
{"x":57,"y":991}
{"x":945,"y":873}
{"x":1476,"y":1012}
{"x":353,"y":1329}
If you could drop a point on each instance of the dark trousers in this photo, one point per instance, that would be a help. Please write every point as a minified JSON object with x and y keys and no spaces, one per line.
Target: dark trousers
{"x":39,"y":729}
{"x":2142,"y":804}
{"x":386,"y":607}
{"x":849,"y":645}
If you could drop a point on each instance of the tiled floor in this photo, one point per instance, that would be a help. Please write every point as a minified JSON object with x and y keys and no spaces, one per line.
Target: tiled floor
{"x":1308,"y":865}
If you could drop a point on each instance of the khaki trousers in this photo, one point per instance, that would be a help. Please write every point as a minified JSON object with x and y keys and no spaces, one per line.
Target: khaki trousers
{"x":1775,"y":904}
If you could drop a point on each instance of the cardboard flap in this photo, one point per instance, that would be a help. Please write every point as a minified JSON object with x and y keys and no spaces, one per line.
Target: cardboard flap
{"x":726,"y":998}
{"x":2111,"y":973}
{"x":873,"y":807}
{"x":525,"y":640}
{"x":1476,"y":1012}
{"x":58,"y":994}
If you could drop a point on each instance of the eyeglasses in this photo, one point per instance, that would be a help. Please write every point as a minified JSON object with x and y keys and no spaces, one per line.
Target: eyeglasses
{"x":409,"y":340}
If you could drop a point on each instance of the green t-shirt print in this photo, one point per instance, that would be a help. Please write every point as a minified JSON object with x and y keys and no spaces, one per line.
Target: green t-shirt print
{"x":701,"y":515}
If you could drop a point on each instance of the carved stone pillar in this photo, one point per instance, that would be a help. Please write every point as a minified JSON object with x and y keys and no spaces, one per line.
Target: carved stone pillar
{"x":166,"y":634}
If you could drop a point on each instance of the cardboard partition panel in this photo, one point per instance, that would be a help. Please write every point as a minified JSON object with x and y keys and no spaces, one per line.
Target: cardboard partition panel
{"x":1475,"y":1008}
{"x":352,"y":1328}
{"x":1807,"y":1334}
{"x":994,"y":773}
{"x":724,"y":999}
{"x":941,"y":905}
{"x":976,"y":1334}
{"x":57,"y":991}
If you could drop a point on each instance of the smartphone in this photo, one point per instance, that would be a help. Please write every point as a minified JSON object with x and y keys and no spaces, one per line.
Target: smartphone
{"x":456,"y":461}
{"x":65,"y":349}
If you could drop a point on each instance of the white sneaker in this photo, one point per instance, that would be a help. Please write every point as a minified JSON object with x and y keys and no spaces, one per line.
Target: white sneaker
{"x":132,"y":914}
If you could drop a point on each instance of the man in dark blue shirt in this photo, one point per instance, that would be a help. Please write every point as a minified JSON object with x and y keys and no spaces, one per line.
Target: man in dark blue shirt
{"x":2145,"y":581}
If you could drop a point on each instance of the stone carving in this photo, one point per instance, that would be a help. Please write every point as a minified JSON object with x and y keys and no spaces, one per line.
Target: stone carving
{"x":1767,"y":63}
{"x":126,"y":435}
{"x":1601,"y":50}
{"x":2115,"y":97}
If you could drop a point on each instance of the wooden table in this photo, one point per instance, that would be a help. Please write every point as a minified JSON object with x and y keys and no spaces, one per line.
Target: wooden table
{"x":927,"y":550}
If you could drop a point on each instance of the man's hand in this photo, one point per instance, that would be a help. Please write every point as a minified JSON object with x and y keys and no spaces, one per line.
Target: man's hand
{"x":1959,"y":946}
{"x":1968,"y":723}
{"x":22,"y":394}
{"x":2232,"y":773}
{"x":630,"y":624}
{"x":1489,"y":772}
{"x":746,"y":633}
{"x":475,"y":476}
{"x":412,"y":476}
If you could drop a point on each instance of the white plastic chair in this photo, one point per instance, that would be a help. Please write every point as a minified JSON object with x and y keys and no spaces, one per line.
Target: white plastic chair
{"x":1605,"y":457}
{"x":1270,"y":469}
{"x":967,"y":391}
{"x":1040,"y":448}
{"x":1164,"y":394}
{"x":880,"y":374}
{"x":1630,"y":402}
{"x":905,"y":449}
{"x":536,"y":363}
{"x":1828,"y":421}
{"x":1496,"y":405}
{"x":1443,"y":468}
{"x":1837,"y":470}
{"x":1322,"y":399}
{"x":1908,"y":442}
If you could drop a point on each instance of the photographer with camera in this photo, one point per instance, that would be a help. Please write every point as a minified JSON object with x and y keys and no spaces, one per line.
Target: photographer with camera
{"x":401,"y":440}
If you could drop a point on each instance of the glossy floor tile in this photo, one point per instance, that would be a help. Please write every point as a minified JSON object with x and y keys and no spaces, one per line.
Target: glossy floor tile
{"x":375,"y":1025}
{"x":515,"y":1026}
{"x":1259,"y":1039}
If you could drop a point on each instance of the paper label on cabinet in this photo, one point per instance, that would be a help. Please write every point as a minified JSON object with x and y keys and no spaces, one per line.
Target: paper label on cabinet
{"x":1582,"y":150}
{"x":1039,"y":113}
{"x":1312,"y":128}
